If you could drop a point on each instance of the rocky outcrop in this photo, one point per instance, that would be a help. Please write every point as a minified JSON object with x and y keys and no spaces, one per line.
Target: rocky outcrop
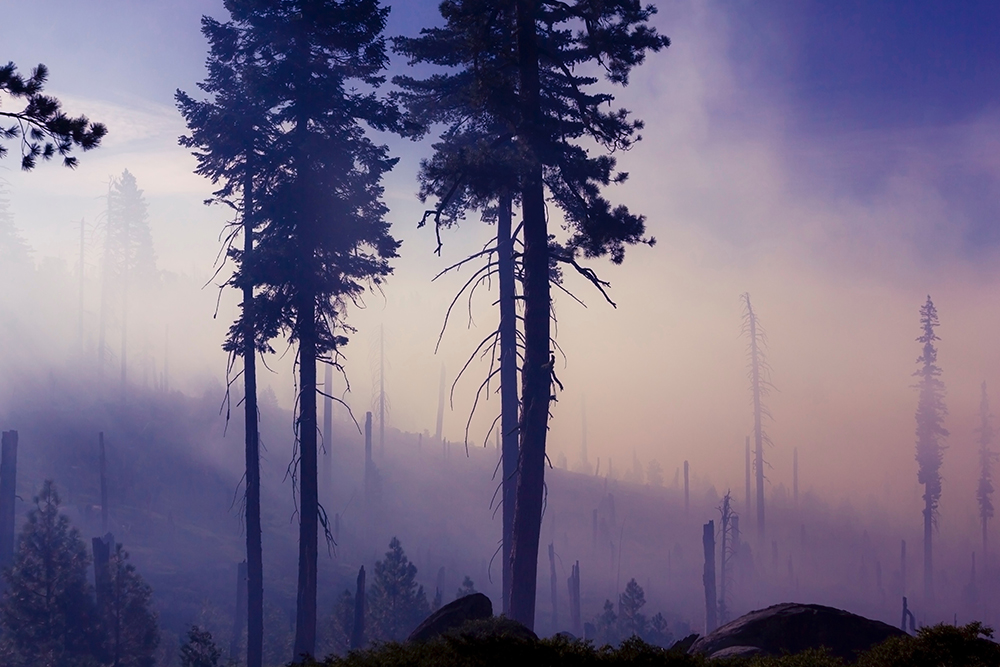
{"x":453,"y":615}
{"x":793,"y":628}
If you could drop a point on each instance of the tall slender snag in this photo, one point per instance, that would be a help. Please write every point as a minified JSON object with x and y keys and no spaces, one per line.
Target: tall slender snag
{"x":8,"y":496}
{"x":509,"y":404}
{"x":536,"y":375}
{"x":758,"y":387}
{"x":930,"y":432}
{"x":708,"y":576}
{"x":987,"y":457}
{"x":103,"y":463}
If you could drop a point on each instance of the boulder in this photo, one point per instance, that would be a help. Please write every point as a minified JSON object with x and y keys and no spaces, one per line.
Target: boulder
{"x":793,"y":628}
{"x":453,"y":615}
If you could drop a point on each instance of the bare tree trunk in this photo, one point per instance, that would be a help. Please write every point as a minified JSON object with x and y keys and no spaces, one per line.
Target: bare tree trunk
{"x":101,"y":547}
{"x":305,"y":612}
{"x":553,"y":585}
{"x":240,"y":617}
{"x":328,"y":432}
{"x":358,"y":631}
{"x":928,"y":551}
{"x":536,"y":375}
{"x":902,"y":563}
{"x":381,"y":391}
{"x":369,"y":472}
{"x":104,"y":482}
{"x":748,"y":485}
{"x":795,"y":475}
{"x":251,"y":428}
{"x":8,"y":497}
{"x":440,"y":414}
{"x":708,"y":578}
{"x":508,"y":382}
{"x":758,"y":433}
{"x":687,"y":490}
{"x":574,"y":600}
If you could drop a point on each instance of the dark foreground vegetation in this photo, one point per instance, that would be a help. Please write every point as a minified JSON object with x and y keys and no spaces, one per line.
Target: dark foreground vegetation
{"x":488,"y":643}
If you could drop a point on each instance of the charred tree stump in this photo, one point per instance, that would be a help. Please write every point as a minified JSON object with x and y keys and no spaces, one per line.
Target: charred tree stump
{"x":102,"y":569}
{"x":708,"y":578}
{"x":573,"y":583}
{"x":358,"y":631}
{"x":8,"y":496}
{"x":240,"y":617}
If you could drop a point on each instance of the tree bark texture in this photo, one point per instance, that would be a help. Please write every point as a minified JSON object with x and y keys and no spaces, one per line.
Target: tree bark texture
{"x":508,"y":382}
{"x":536,"y":375}
{"x":305,"y":608}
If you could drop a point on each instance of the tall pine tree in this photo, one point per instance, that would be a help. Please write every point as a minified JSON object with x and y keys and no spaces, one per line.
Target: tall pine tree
{"x":322,"y":236}
{"x":987,"y":457}
{"x":231,"y":133}
{"x":930,"y":432}
{"x":129,"y":621}
{"x":516,"y":110}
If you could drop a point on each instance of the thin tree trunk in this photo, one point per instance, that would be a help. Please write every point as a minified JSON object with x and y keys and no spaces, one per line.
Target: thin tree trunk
{"x":708,"y":578}
{"x":381,"y":391}
{"x":758,"y":433}
{"x":255,"y":560}
{"x":305,"y":609}
{"x":795,"y":475}
{"x":440,"y":412}
{"x":748,"y":485}
{"x":369,"y":473}
{"x":508,"y":382}
{"x":103,"y":461}
{"x":928,"y":551}
{"x":553,"y":584}
{"x":240,"y":618}
{"x":328,"y":432}
{"x":902,"y":563}
{"x":8,"y":496}
{"x":574,"y":600}
{"x":536,"y":375}
{"x":358,"y":631}
{"x":687,"y":490}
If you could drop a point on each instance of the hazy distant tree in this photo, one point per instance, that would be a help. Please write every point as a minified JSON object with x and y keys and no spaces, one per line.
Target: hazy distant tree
{"x":41,"y":127}
{"x":128,"y":259}
{"x":130,"y":623}
{"x":340,"y":626}
{"x":468,"y":588}
{"x":930,"y":432}
{"x":14,"y":250}
{"x":396,"y":603}
{"x":654,"y":473}
{"x":230,"y":134}
{"x":658,"y":632}
{"x":984,"y":491}
{"x":727,"y":554}
{"x":199,"y":650}
{"x":48,"y":617}
{"x":322,"y":238}
{"x":760,"y":382}
{"x":606,"y":625}
{"x":631,"y":621}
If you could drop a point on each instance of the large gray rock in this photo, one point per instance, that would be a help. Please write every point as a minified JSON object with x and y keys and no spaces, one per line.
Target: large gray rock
{"x":793,"y":628}
{"x":453,"y":615}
